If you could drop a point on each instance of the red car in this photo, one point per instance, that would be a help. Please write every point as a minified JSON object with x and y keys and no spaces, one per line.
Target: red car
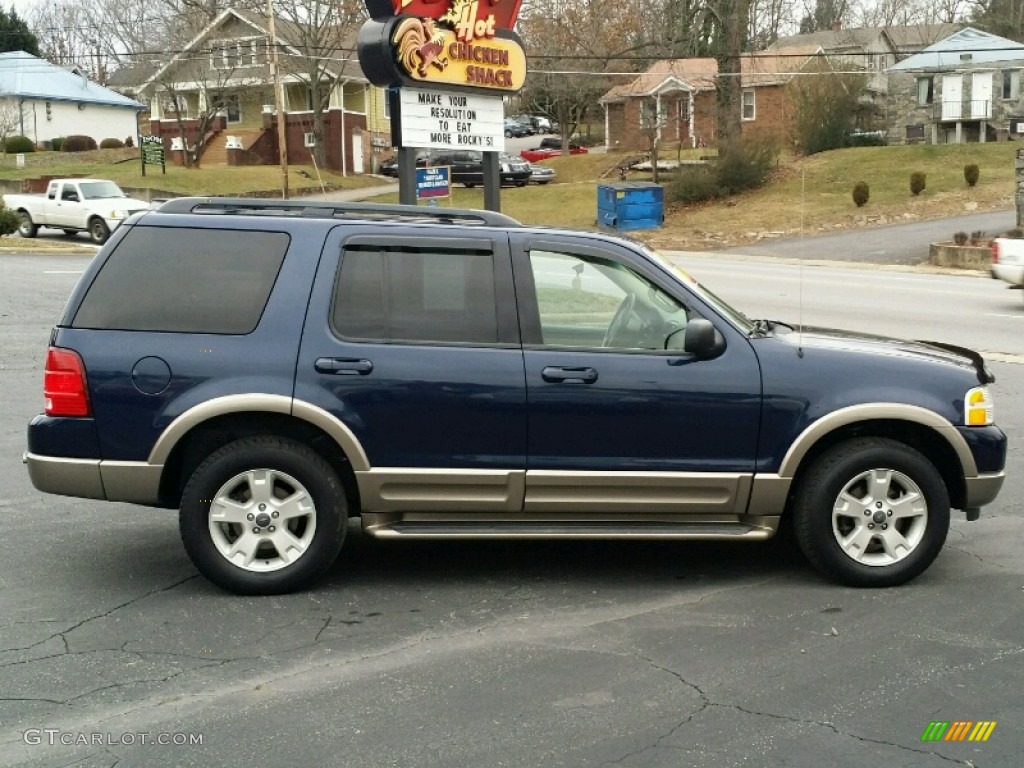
{"x":550,"y":146}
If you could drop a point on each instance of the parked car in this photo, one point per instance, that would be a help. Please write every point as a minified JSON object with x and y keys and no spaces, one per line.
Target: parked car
{"x":96,"y":206}
{"x":467,"y":167}
{"x":271,"y":369}
{"x":1008,"y":260}
{"x":551,"y":146}
{"x":389,"y":166}
{"x":526,"y":122}
{"x":541,"y":174}
{"x":515,"y":129}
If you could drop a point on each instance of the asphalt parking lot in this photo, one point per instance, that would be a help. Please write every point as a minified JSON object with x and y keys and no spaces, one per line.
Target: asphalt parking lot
{"x":483,"y":654}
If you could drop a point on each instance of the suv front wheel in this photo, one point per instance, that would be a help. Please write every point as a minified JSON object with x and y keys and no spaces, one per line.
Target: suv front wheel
{"x":871,"y":512}
{"x":263,"y":515}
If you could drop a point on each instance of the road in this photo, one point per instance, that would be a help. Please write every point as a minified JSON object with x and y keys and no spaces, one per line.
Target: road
{"x":470,"y":655}
{"x":892,"y":244}
{"x":977,"y":312}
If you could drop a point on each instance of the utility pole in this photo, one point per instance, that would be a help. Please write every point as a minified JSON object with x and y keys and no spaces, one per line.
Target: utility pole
{"x":282,"y":129}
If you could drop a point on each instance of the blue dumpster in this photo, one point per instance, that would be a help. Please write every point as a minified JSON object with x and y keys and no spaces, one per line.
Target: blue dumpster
{"x":630,"y":205}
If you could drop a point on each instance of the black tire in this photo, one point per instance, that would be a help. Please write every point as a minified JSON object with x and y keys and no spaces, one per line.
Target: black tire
{"x":840,"y":469}
{"x":542,"y":183}
{"x":27,"y":227}
{"x":508,"y":134}
{"x":98,"y":230}
{"x":468,"y":184}
{"x":522,"y":183}
{"x":286,"y":458}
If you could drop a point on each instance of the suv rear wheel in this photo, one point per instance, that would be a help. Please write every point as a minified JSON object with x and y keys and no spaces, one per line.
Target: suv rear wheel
{"x":263,"y":515}
{"x":871,"y":512}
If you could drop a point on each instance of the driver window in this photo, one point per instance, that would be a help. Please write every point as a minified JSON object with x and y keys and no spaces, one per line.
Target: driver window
{"x":601,"y":304}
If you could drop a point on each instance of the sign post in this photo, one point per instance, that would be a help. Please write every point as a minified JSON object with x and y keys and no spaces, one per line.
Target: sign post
{"x":152,"y":150}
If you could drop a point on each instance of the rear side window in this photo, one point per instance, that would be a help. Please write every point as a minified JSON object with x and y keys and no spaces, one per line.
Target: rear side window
{"x":185,"y":281}
{"x":411,"y":294}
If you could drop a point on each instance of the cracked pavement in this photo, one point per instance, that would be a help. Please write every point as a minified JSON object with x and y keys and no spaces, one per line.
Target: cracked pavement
{"x":638,"y":655}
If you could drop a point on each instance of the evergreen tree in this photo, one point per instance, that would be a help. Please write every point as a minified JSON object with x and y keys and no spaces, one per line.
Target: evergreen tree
{"x":15,"y":34}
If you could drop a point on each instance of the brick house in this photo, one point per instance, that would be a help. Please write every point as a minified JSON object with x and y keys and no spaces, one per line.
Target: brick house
{"x":231,"y":58}
{"x":676,"y":100}
{"x":964,"y":88}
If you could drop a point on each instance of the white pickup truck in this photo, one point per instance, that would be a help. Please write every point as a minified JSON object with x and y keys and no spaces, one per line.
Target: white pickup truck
{"x":95,"y":206}
{"x":1008,"y":260}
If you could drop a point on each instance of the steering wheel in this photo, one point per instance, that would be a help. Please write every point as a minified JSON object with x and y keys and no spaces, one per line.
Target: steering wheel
{"x":619,"y":320}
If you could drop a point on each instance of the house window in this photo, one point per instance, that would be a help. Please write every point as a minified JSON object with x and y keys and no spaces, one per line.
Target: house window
{"x":231,"y":105}
{"x":749,"y":104}
{"x":1011,"y":83}
{"x":387,"y":105}
{"x":649,"y":113}
{"x":915,"y":132}
{"x":308,"y":139}
{"x":175,"y":105}
{"x":684,"y":109}
{"x":925,"y":91}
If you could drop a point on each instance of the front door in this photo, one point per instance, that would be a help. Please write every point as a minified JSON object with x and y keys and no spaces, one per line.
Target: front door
{"x":981,"y":95}
{"x":612,"y":409}
{"x":952,"y":97}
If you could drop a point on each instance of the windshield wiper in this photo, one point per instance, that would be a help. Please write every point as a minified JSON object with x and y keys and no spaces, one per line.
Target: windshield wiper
{"x":765,"y":327}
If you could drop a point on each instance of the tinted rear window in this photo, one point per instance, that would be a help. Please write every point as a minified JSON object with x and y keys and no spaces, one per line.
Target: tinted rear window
{"x":416,"y":295}
{"x":185,"y":281}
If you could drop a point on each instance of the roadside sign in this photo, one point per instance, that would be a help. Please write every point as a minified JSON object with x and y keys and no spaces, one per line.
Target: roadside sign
{"x":432,"y":183}
{"x":438,"y":119}
{"x":152,"y":151}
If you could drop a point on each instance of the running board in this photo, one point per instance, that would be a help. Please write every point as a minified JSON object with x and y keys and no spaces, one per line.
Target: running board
{"x":562,"y":529}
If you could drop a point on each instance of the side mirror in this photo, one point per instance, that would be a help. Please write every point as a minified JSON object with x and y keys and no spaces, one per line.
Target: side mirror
{"x":702,"y":340}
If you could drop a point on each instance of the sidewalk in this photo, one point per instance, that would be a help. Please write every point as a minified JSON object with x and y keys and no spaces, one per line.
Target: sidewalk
{"x":354,"y":195}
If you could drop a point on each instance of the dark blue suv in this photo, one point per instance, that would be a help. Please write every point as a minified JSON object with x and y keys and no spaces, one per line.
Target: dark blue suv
{"x":272,"y":369}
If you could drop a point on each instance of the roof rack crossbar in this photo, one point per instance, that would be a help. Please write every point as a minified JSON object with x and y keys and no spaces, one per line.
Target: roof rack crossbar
{"x":328,"y":209}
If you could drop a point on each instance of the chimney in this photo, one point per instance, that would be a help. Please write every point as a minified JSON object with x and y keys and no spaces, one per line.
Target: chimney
{"x":837,"y":25}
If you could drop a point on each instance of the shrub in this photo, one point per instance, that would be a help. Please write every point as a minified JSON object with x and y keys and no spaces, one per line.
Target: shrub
{"x":129,"y":142}
{"x":971,"y":173}
{"x":19,"y":144}
{"x":861,"y":193}
{"x":78,"y":144}
{"x":111,"y":144}
{"x":692,"y":184}
{"x":960,"y":238}
{"x":744,"y":164}
{"x":55,"y":142}
{"x":1015,"y":234}
{"x":917,"y":182}
{"x":976,"y":237}
{"x":9,"y":221}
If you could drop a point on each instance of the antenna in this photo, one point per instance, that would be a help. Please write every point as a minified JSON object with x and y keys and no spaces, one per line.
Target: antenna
{"x":800,"y":280}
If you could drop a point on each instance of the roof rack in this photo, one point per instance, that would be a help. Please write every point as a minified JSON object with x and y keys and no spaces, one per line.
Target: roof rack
{"x":324,"y":209}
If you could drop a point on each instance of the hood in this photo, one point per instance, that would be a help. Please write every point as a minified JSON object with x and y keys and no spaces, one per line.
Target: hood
{"x":933,"y":351}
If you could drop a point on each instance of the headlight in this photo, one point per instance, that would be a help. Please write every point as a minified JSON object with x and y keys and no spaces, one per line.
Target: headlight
{"x":504,"y":168}
{"x":978,"y":407}
{"x":118,"y":215}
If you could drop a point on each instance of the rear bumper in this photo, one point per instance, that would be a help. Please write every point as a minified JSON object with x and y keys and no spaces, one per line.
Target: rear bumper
{"x":130,"y":481}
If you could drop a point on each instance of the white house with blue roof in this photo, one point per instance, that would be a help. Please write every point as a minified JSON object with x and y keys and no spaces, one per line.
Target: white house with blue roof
{"x":964,"y":88}
{"x":48,"y":101}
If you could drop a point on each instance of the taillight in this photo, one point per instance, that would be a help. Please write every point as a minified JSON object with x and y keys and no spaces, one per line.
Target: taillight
{"x":995,"y":252}
{"x":64,"y":385}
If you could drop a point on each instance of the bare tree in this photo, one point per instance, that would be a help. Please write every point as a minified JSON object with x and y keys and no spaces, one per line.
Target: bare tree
{"x":194,"y":75}
{"x":10,"y":118}
{"x":320,"y":51}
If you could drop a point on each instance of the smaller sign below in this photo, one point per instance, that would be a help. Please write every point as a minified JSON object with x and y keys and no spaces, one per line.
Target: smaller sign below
{"x":439,"y":119}
{"x":433,"y":182}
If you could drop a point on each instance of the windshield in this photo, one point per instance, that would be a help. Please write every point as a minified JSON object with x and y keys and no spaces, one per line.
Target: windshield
{"x":737,"y":317}
{"x":97,"y":190}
